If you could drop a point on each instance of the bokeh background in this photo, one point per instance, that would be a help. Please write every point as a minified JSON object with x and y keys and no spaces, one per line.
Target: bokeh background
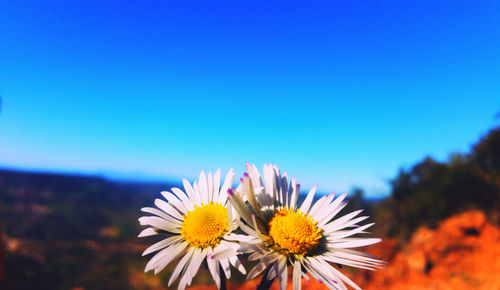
{"x":106,"y":103}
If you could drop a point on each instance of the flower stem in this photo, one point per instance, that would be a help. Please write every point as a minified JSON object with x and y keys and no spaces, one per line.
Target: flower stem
{"x":264,"y":283}
{"x":222,"y":279}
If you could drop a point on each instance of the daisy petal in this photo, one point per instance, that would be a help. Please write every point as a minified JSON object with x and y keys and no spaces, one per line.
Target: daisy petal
{"x":181,"y":266}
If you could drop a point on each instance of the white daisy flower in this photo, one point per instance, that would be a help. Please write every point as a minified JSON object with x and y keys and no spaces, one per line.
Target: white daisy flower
{"x":196,"y":223}
{"x":308,"y":238}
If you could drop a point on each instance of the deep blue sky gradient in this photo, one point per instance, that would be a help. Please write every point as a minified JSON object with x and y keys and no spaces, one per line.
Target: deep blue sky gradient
{"x":338,"y":93}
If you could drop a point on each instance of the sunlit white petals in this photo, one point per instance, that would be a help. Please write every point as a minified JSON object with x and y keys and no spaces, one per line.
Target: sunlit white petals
{"x":225,"y":267}
{"x":264,"y":262}
{"x":213,"y":267}
{"x":309,"y":198}
{"x":160,"y":223}
{"x":237,"y":264}
{"x":180,"y":217}
{"x":222,"y":196}
{"x":183,"y":198}
{"x":164,"y":256}
{"x":281,"y":267}
{"x":216,"y":185}
{"x":295,"y":189}
{"x":341,"y":222}
{"x":322,"y":240}
{"x":181,"y":266}
{"x":169,"y":209}
{"x":238,"y":204}
{"x":147,"y":232}
{"x":198,"y":257}
{"x":159,"y":213}
{"x":162,"y":244}
{"x":297,"y":274}
{"x":203,"y":188}
{"x":175,"y":201}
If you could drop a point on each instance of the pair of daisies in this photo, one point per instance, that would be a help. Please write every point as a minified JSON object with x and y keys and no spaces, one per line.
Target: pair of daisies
{"x":201,"y":223}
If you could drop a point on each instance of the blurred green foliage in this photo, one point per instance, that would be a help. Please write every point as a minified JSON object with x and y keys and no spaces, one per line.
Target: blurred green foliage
{"x":430,"y":190}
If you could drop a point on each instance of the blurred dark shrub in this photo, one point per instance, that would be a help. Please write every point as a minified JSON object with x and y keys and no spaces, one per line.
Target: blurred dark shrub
{"x":431,"y":191}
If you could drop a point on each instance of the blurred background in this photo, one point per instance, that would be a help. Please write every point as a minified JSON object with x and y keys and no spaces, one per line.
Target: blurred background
{"x":106,"y":103}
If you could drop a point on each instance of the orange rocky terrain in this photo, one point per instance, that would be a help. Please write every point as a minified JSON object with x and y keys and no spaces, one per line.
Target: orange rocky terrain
{"x":462,"y":253}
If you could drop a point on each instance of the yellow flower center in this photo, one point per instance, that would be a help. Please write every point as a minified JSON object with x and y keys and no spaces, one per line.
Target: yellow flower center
{"x":294,"y":232}
{"x":205,"y":225}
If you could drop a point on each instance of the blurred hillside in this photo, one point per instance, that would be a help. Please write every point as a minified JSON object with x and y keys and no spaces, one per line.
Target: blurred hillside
{"x":431,"y":191}
{"x":63,"y":231}
{"x":63,"y":207}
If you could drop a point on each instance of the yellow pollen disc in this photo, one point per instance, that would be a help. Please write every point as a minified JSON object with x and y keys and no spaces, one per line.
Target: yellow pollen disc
{"x":294,"y":232}
{"x":205,"y":225}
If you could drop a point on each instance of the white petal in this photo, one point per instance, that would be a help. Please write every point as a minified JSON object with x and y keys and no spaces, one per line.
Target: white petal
{"x":354,"y":243}
{"x":270,"y":181}
{"x":166,"y":207}
{"x":283,"y":273}
{"x":216,"y":183}
{"x":249,"y":248}
{"x":273,"y":272}
{"x":197,"y":196}
{"x":165,"y":256}
{"x":339,"y":274}
{"x":194,"y":196}
{"x":223,"y":252}
{"x":196,"y":261}
{"x":178,"y":204}
{"x":184,"y":198}
{"x":240,"y":206}
{"x":203,"y":188}
{"x":284,"y":190}
{"x":182,"y":283}
{"x":160,"y":223}
{"x":181,"y":265}
{"x":297,"y":274}
{"x":162,"y":244}
{"x":343,"y":234}
{"x":309,"y":198}
{"x":342,"y":220}
{"x":210,"y":184}
{"x":262,"y":265}
{"x":333,"y":229}
{"x":147,"y":232}
{"x":347,"y":262}
{"x":332,"y":210}
{"x":250,"y":194}
{"x":239,"y":238}
{"x":254,"y":175}
{"x":213,"y":267}
{"x":225,"y":266}
{"x":295,"y":189}
{"x":237,"y":264}
{"x":323,"y":273}
{"x":319,"y":207}
{"x":359,"y":255}
{"x":228,"y":182}
{"x":161,"y":214}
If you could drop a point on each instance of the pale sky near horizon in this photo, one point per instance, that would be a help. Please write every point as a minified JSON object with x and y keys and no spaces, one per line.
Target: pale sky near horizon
{"x":336,"y":93}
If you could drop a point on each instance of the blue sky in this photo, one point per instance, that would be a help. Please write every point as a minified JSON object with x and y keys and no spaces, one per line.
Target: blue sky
{"x":337,"y":93}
